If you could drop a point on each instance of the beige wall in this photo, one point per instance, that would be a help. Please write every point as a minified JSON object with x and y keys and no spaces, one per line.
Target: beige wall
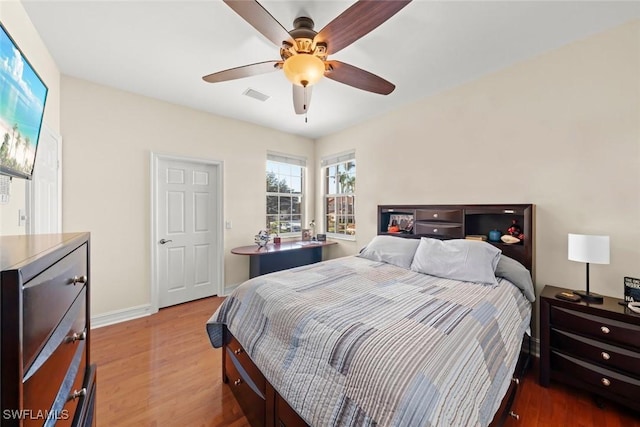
{"x":17,"y":22}
{"x":108,"y":137}
{"x":561,"y":130}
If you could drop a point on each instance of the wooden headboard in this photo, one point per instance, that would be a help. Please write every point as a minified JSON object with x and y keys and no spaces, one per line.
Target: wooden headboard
{"x":464,"y":221}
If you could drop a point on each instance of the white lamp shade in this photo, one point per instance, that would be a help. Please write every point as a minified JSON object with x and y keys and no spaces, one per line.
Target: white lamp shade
{"x":587,"y":248}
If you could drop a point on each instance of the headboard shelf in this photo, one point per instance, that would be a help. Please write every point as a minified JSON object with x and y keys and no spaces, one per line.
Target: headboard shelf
{"x":460,"y":221}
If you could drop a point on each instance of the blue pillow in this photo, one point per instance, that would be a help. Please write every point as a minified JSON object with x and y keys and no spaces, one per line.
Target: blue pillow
{"x":517,"y":274}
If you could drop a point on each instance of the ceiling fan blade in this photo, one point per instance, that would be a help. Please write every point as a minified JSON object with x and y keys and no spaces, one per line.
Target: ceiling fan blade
{"x":357,"y":21}
{"x":241,"y":72}
{"x":358,"y":78}
{"x":301,"y":98}
{"x":256,"y":15}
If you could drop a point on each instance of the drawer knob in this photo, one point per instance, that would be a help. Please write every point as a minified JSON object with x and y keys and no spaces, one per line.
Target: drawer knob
{"x":77,"y":393}
{"x":514,"y":415}
{"x":237,"y":351}
{"x":77,"y":336}
{"x":604,"y":329}
{"x":435,"y":215}
{"x":79,"y":279}
{"x":435,"y":230}
{"x":605,"y":355}
{"x":605,"y":382}
{"x":237,"y":382}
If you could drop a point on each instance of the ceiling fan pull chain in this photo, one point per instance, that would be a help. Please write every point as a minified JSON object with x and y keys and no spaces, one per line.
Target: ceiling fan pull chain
{"x":306,"y":112}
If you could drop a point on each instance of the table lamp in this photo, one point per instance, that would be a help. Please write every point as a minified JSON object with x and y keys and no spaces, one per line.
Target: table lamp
{"x":589,"y":249}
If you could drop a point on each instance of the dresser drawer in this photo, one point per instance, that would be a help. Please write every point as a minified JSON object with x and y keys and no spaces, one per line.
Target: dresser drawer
{"x":596,"y":327}
{"x":253,"y":405}
{"x":602,"y":354}
{"x":247,"y":364}
{"x":85,"y":410}
{"x":53,"y":373}
{"x":604,"y":380}
{"x":439,"y":229}
{"x":47,"y":298}
{"x":448,"y":215}
{"x":76,"y":394}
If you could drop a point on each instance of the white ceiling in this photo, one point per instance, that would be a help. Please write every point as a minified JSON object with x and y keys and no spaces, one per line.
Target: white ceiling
{"x":162,"y":49}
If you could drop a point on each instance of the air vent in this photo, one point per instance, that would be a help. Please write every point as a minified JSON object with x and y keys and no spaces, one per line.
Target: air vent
{"x":251,"y":93}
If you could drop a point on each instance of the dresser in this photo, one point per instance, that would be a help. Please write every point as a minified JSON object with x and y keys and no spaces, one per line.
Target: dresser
{"x":47,"y":377}
{"x":593,"y":347}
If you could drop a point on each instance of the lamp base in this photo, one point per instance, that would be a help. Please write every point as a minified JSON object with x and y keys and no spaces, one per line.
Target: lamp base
{"x":590,"y":297}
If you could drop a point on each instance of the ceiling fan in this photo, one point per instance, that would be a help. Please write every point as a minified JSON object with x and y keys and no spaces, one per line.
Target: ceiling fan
{"x":304,"y":52}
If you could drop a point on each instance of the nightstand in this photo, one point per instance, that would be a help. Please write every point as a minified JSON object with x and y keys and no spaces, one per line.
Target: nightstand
{"x":594,"y":347}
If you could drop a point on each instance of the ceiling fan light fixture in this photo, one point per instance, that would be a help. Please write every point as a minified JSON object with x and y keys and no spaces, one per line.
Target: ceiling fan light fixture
{"x":303,"y":69}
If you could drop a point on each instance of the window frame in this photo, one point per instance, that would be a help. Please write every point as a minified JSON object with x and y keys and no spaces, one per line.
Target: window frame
{"x":292,"y":161}
{"x":326,"y":164}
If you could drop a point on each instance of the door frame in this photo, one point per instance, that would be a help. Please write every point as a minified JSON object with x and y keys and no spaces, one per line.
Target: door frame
{"x":154,"y":159}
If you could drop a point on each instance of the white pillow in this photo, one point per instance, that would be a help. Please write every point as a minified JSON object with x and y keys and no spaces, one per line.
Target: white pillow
{"x":392,"y":250}
{"x":459,"y":259}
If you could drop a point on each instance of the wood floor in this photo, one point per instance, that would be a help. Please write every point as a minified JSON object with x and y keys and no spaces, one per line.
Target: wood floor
{"x":162,"y":371}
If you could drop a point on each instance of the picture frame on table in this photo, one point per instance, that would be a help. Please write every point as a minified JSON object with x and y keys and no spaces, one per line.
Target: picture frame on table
{"x":631,"y":289}
{"x":306,"y":234}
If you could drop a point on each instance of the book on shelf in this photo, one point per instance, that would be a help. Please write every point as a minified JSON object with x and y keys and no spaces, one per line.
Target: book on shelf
{"x":480,"y":237}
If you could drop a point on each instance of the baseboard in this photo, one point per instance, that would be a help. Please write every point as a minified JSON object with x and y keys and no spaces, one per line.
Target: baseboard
{"x":229,"y":288}
{"x":118,"y":316}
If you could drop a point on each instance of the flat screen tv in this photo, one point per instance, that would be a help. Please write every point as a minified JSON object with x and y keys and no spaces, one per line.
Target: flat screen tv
{"x":22,"y":98}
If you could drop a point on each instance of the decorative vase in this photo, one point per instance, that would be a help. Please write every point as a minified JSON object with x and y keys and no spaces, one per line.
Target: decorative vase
{"x":262,"y":238}
{"x":494,"y":235}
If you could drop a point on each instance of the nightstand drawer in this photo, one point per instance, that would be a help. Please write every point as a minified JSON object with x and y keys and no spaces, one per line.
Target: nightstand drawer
{"x":602,"y":379}
{"x":596,"y":327}
{"x":597,"y":352}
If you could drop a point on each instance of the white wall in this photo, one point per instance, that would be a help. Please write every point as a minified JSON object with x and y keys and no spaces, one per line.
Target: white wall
{"x":108,"y":137}
{"x":561,"y":130}
{"x":17,"y":22}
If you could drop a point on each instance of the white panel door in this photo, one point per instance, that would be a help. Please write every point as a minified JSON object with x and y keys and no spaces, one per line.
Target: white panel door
{"x":43,"y":191}
{"x":186,"y":231}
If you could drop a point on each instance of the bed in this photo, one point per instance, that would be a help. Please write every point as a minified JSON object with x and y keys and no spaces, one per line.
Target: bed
{"x":399,"y":335}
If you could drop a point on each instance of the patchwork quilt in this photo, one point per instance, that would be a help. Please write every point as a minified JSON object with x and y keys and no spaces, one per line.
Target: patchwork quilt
{"x":355,"y":342}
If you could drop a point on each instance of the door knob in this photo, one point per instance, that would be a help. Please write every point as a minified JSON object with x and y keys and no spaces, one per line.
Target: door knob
{"x":163,"y":241}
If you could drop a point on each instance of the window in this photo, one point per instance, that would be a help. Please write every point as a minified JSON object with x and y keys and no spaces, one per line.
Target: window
{"x":285,"y":193}
{"x":339,"y":174}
